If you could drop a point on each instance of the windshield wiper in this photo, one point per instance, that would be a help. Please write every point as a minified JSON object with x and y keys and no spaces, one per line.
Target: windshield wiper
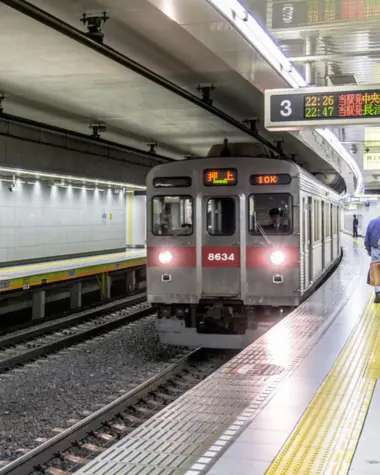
{"x":264,"y":234}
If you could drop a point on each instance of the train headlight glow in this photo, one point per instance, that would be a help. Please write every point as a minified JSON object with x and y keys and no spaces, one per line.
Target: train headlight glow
{"x":165,"y":257}
{"x":277,"y":258}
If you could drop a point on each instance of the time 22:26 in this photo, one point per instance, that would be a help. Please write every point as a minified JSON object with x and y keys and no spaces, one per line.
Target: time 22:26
{"x":319,"y":106}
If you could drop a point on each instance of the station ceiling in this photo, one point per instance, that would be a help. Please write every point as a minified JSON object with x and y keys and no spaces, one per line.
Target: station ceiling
{"x":54,"y":79}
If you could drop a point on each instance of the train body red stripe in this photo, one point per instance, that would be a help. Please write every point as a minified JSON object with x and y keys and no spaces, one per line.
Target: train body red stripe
{"x":223,"y":257}
{"x":259,"y":257}
{"x":182,"y":257}
{"x":220,"y":256}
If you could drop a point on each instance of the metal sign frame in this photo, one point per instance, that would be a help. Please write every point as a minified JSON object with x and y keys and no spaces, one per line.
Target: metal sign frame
{"x":293,"y":94}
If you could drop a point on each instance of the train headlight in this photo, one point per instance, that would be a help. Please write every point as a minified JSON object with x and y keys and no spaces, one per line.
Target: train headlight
{"x":165,"y":257}
{"x":277,"y":258}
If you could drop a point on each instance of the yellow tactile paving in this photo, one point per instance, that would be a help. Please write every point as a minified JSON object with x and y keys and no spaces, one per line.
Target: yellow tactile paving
{"x":325,"y":439}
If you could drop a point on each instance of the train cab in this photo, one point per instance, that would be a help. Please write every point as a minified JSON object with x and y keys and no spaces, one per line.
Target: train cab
{"x":224,"y":239}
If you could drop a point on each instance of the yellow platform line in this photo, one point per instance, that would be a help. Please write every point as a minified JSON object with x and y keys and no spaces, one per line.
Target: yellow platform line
{"x":325,"y":439}
{"x":75,"y":260}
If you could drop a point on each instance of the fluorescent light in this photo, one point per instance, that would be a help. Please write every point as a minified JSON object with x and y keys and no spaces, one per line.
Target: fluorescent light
{"x":233,"y":11}
{"x":258,"y":38}
{"x":67,"y":177}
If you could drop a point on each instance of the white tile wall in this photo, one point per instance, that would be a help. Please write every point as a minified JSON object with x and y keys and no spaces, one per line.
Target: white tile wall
{"x":138,"y":235}
{"x":38,"y":222}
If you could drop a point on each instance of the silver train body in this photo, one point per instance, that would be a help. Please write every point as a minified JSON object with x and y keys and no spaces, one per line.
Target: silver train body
{"x":217,"y":252}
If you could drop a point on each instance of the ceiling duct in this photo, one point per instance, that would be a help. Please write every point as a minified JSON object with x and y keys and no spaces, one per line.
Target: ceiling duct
{"x":342,"y":79}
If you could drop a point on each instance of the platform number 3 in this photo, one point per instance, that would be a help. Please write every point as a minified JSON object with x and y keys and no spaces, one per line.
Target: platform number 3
{"x":286,"y":108}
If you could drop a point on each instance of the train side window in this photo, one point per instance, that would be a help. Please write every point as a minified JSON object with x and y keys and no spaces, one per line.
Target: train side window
{"x":221,"y":216}
{"x":172,"y":215}
{"x":334,"y":220}
{"x":317,"y":220}
{"x":327,"y":220}
{"x":270,"y":212}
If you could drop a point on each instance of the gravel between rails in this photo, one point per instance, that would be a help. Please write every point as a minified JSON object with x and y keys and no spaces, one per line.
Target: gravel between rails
{"x":48,"y":393}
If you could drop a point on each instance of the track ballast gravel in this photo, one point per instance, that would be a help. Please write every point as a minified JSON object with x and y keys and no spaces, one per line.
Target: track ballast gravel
{"x":48,"y":393}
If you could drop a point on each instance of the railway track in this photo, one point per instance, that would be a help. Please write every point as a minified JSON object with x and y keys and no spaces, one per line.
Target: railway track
{"x":27,"y":345}
{"x":74,"y":447}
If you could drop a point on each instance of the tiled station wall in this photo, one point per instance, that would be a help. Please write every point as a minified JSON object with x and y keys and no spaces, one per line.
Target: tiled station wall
{"x":39,"y":221}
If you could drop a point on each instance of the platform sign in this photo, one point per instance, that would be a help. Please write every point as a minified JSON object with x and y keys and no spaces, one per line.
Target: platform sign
{"x":294,"y":109}
{"x":371,"y":161}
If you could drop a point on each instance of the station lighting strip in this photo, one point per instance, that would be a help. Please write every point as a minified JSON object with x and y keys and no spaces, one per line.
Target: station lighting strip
{"x":244,"y":22}
{"x":68,"y":178}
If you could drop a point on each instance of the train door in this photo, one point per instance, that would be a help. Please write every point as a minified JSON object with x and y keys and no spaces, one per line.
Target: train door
{"x":338,"y":218}
{"x":332,"y":232}
{"x":323,"y":233}
{"x":305,"y":244}
{"x":221,"y":247}
{"x":310,"y":237}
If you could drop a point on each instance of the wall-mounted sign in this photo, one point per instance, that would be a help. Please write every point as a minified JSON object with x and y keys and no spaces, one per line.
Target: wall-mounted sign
{"x":371,"y":161}
{"x":292,"y":109}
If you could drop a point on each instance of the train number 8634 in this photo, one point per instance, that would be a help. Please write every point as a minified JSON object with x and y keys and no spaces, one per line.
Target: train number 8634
{"x":220,"y":256}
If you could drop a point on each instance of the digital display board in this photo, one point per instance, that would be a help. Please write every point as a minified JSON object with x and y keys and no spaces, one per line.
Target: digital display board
{"x":220,"y":176}
{"x":287,"y":14}
{"x":287,"y":109}
{"x":342,"y":104}
{"x":282,"y":179}
{"x":172,"y":182}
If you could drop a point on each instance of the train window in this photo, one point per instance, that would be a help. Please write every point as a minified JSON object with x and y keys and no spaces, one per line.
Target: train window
{"x":172,"y":215}
{"x":327,"y":220}
{"x":317,"y":220}
{"x":221,"y":216}
{"x":271,"y":213}
{"x":335,"y":219}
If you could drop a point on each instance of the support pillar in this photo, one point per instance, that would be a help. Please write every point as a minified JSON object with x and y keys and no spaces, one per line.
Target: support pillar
{"x":308,"y":66}
{"x":130,"y":281}
{"x":38,"y":305}
{"x":105,"y":286}
{"x":76,"y":295}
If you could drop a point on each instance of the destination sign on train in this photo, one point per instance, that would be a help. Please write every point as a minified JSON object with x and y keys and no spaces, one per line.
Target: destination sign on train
{"x":220,"y":176}
{"x":292,"y":109}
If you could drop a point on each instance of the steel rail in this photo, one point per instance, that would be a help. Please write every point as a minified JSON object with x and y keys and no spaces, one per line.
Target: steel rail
{"x":35,"y":331}
{"x":69,"y":31}
{"x":37,"y":457}
{"x":49,"y":347}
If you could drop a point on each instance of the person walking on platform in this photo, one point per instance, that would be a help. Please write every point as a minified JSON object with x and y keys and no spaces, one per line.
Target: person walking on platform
{"x":371,"y":243}
{"x":355,"y":224}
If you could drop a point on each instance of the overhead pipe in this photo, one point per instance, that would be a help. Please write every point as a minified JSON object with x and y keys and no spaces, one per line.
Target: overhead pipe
{"x":64,"y":28}
{"x":87,"y":138}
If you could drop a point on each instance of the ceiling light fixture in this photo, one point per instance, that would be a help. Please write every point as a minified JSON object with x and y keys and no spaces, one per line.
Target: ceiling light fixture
{"x":257,"y":37}
{"x":67,"y":177}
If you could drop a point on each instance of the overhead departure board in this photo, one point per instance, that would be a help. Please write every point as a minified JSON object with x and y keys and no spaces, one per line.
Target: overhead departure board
{"x":300,"y":13}
{"x":220,"y":176}
{"x":291,"y":109}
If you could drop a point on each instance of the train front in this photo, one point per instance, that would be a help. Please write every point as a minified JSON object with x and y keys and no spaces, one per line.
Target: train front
{"x":209,"y":265}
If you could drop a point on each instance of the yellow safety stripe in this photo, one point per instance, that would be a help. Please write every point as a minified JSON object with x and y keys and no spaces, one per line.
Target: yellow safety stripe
{"x":325,"y":439}
{"x":44,"y":265}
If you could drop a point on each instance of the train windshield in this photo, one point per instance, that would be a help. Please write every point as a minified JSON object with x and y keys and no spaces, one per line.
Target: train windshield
{"x":172,"y":215}
{"x":221,"y":216}
{"x":272,"y":212}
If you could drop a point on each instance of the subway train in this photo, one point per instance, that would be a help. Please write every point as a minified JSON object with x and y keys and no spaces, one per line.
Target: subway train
{"x":230,"y":235}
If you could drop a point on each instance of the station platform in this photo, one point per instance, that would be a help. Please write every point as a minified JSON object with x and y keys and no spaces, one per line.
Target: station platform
{"x":29,"y":275}
{"x":293,"y":402}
